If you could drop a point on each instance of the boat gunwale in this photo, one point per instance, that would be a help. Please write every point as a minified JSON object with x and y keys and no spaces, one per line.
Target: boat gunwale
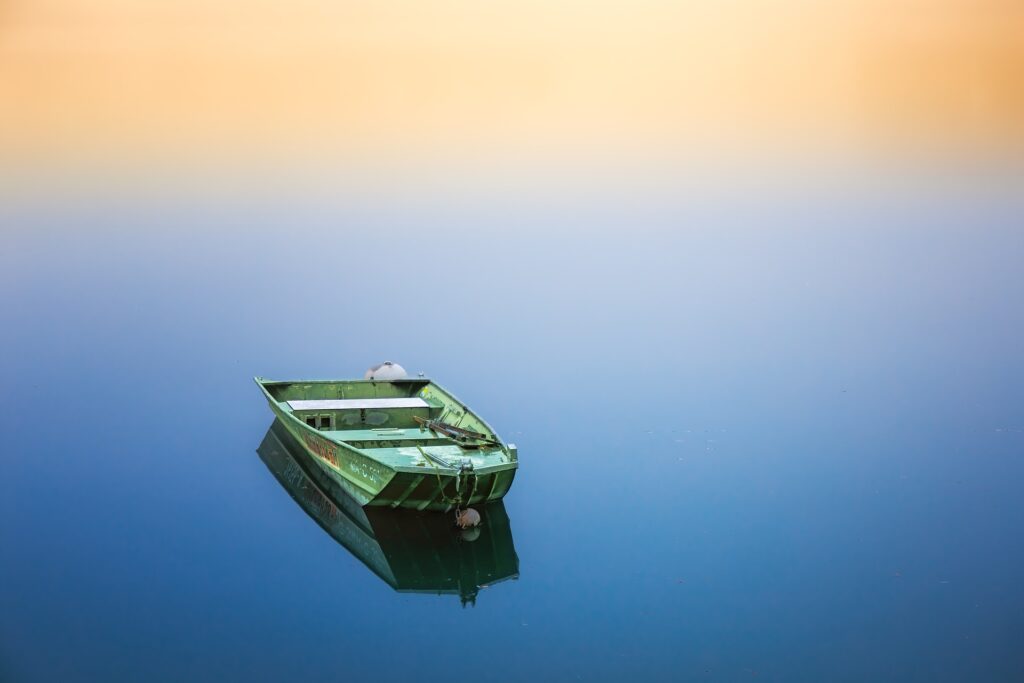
{"x":263,"y":381}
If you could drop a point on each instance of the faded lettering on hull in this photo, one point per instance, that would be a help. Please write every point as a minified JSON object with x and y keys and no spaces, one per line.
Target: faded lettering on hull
{"x":329,"y":453}
{"x":322,"y":449}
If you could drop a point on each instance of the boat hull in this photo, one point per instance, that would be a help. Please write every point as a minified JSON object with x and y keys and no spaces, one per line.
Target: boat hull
{"x":374,"y":484}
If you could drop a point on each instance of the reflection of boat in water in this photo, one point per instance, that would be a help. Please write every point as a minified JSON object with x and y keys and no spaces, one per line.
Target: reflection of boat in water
{"x":412,"y":552}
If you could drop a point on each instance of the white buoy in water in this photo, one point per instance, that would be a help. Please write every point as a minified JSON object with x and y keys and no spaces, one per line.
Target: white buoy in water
{"x":386,"y":370}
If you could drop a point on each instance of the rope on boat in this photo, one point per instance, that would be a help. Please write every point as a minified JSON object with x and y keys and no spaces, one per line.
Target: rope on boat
{"x":464,"y":518}
{"x":466,"y":439}
{"x":457,"y":502}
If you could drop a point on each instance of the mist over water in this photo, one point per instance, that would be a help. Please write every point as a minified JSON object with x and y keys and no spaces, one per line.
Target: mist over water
{"x":760,"y":438}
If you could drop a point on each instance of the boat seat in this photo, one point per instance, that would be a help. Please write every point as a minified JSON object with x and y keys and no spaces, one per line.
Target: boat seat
{"x":358,"y":404}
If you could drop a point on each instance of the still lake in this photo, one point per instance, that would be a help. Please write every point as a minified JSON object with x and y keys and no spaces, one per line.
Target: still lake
{"x":774,"y":442}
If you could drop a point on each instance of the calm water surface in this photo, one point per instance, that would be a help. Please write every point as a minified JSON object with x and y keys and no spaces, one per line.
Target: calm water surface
{"x":768,"y":443}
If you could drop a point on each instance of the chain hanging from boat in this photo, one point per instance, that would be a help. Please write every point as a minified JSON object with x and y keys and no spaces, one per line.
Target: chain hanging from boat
{"x":465,"y":439}
{"x":465,"y":471}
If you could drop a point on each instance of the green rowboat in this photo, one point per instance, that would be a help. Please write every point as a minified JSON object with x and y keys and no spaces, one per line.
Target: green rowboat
{"x":396,"y":442}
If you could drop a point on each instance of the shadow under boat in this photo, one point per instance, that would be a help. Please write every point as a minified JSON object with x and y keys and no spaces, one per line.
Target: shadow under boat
{"x":411,"y":552}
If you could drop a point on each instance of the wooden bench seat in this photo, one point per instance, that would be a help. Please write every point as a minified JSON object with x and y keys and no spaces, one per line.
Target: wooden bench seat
{"x":358,"y":404}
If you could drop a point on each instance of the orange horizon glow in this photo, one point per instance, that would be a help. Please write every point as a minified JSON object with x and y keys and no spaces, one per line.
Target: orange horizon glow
{"x":445,"y":78}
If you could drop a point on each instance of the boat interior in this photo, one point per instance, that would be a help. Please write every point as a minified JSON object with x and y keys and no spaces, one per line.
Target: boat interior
{"x":375,"y":414}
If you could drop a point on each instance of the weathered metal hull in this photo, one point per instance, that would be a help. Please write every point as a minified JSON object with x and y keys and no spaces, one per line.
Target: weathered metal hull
{"x":374,"y":484}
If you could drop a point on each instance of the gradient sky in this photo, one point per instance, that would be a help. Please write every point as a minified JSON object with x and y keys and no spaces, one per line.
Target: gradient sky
{"x":811,"y":397}
{"x":200,"y":80}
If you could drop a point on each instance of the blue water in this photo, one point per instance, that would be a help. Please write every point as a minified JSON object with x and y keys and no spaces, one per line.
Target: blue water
{"x":774,"y":441}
